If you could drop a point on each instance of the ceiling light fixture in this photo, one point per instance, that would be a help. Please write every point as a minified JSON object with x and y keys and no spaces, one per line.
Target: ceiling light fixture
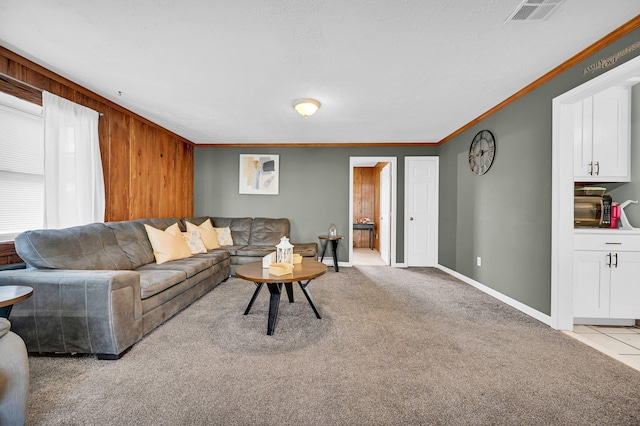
{"x":306,"y":107}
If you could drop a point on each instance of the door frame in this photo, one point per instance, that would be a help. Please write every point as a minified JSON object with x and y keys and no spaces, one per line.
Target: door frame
{"x":386,"y":182}
{"x":562,"y":188}
{"x":371,"y":162}
{"x":436,"y":201}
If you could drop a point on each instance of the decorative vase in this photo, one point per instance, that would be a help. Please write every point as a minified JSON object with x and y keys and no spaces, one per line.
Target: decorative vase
{"x":333,"y":231}
{"x":284,"y":251}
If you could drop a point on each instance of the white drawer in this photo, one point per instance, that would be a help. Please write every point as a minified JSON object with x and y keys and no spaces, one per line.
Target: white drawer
{"x":607,"y":241}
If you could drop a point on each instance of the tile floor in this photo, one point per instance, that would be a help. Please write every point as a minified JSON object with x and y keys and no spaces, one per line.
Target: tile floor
{"x":365,"y":256}
{"x":621,"y":343}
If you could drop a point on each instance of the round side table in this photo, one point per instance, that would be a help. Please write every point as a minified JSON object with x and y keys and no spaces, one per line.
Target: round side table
{"x":334,"y":239}
{"x":11,"y":294}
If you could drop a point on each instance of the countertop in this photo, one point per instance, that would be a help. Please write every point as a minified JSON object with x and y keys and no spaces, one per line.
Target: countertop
{"x":607,"y":231}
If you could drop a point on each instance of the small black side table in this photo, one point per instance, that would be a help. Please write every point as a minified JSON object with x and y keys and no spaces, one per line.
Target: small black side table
{"x":334,"y":248}
{"x":366,"y":227}
{"x":11,"y":294}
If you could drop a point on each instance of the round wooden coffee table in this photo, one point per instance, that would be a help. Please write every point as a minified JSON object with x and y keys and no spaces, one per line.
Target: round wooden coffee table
{"x":305,"y":271}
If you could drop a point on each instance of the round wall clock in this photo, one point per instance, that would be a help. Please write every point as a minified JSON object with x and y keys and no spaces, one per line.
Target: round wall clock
{"x":482,"y":152}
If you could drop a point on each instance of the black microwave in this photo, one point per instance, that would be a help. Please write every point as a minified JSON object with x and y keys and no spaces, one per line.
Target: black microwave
{"x":592,"y":211}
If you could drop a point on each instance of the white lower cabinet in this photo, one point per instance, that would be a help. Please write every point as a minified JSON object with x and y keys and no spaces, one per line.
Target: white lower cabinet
{"x":606,"y":282}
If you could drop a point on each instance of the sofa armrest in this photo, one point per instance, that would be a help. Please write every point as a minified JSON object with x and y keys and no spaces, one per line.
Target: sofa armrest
{"x":72,"y":311}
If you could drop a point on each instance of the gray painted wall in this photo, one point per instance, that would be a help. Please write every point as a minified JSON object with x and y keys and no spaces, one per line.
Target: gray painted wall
{"x":505,"y":215}
{"x":313,"y":193}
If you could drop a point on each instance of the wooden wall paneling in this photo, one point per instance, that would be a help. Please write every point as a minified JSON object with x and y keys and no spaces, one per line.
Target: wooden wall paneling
{"x":367,"y":202}
{"x":367,"y":192}
{"x":4,"y":64}
{"x":186,"y":189}
{"x":139,"y":177}
{"x":36,"y":79}
{"x":63,"y":91}
{"x":172,"y":200}
{"x":182,"y":203}
{"x":152,"y":174}
{"x":120,"y":174}
{"x":163,"y":151}
{"x":363,"y":190}
{"x":17,"y":70}
{"x":357,"y":204}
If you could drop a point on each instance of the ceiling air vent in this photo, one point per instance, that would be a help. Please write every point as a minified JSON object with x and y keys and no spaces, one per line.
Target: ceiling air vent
{"x":534,"y":10}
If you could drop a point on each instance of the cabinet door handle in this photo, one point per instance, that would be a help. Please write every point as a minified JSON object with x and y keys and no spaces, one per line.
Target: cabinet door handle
{"x":616,"y":264}
{"x":597,"y":168}
{"x":609,"y":260}
{"x":591,"y":168}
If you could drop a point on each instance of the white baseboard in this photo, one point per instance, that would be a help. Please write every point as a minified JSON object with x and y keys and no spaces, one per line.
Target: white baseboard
{"x":329,"y":262}
{"x":543,"y":318}
{"x":605,"y":321}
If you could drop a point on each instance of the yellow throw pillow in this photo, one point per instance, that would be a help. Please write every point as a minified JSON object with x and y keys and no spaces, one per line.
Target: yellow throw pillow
{"x":207,"y":233}
{"x":194,"y":242}
{"x":224,"y":236}
{"x":167,"y":245}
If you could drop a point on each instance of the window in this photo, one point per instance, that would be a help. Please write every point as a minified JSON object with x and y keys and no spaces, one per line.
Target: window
{"x":21,"y":166}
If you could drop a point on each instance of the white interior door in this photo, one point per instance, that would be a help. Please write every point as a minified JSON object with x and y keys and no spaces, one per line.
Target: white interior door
{"x":421,"y":210}
{"x":385,"y":213}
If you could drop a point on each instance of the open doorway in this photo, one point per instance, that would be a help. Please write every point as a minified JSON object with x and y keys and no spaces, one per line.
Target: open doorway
{"x":372,"y":206}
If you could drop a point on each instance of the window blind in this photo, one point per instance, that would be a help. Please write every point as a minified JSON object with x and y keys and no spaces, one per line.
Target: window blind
{"x":21,"y":166}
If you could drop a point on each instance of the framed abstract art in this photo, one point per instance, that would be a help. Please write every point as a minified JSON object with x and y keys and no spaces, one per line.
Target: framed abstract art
{"x":259,"y":174}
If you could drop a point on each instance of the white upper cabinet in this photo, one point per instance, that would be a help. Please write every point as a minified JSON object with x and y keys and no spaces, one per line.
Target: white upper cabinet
{"x":602,"y":134}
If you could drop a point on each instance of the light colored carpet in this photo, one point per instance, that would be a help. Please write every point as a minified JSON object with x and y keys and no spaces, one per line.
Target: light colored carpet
{"x":394,"y":346}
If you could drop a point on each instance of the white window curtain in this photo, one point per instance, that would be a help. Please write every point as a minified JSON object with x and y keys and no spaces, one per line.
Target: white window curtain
{"x":74,"y":185}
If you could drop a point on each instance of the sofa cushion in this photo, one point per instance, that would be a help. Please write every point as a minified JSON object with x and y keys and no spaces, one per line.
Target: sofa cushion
{"x":240,"y":228}
{"x":255,"y":251}
{"x":133,"y":239}
{"x":194,"y":242}
{"x":153,"y":281}
{"x":224,"y":237}
{"x":306,"y":249}
{"x":84,"y":247}
{"x":216,"y":256}
{"x":267,"y":232}
{"x":191,"y":265}
{"x":233,"y":250}
{"x":207,"y":233}
{"x":167,"y":245}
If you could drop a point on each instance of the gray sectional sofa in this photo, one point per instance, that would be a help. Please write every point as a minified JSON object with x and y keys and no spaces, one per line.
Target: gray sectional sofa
{"x":98,"y":289}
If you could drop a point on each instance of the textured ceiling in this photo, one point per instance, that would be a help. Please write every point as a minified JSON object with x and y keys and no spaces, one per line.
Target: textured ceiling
{"x":227,"y":71}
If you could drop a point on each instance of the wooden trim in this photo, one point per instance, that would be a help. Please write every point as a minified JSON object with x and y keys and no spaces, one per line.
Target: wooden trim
{"x":314,"y":144}
{"x":574,"y":60}
{"x":74,"y":86}
{"x":20,"y":90}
